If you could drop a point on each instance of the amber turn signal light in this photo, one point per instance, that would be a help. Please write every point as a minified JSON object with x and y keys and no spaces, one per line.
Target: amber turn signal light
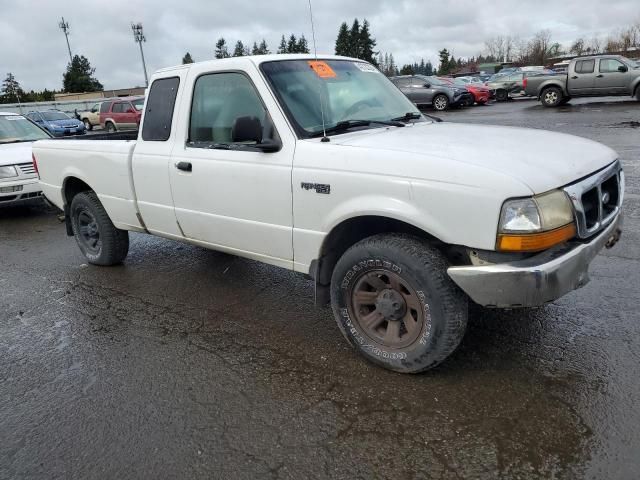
{"x":535,"y":242}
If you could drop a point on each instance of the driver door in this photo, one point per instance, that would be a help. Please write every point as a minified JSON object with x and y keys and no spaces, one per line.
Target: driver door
{"x":226,"y":195}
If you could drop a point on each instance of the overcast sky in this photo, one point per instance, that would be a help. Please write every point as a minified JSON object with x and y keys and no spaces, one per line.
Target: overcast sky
{"x":33,"y":48}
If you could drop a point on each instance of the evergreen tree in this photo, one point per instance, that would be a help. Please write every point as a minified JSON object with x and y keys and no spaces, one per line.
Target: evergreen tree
{"x":255,"y":50}
{"x":366,"y":44}
{"x":79,"y":76}
{"x":238,"y":51}
{"x":221,"y":48}
{"x":354,"y":49}
{"x":302,"y":46}
{"x":263,"y":49}
{"x":444,"y":61}
{"x":283,"y":45}
{"x":292,"y":44}
{"x":187,"y":58}
{"x":393,"y":69}
{"x":342,"y":42}
{"x":11,"y":90}
{"x":428,"y":69}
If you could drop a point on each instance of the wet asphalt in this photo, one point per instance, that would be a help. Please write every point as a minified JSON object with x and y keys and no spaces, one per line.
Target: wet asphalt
{"x":187,"y":363}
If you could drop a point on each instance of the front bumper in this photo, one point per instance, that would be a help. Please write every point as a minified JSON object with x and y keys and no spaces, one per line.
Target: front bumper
{"x":537,"y":280}
{"x":23,"y":191}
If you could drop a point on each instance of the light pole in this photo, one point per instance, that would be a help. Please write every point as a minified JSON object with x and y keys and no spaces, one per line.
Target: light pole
{"x":138,"y":35}
{"x":64,"y":26}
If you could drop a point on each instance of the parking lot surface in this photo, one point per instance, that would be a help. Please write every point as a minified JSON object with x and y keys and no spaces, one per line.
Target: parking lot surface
{"x":186,"y":363}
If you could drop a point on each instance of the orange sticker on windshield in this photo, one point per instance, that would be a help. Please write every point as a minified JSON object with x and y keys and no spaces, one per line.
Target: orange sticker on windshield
{"x":322,"y":69}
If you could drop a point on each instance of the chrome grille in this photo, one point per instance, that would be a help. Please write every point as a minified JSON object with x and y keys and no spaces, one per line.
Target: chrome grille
{"x":597,"y":199}
{"x":26,"y":168}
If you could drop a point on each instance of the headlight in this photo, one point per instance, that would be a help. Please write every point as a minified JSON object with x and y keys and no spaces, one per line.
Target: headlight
{"x":536,"y":223}
{"x":8,"y":172}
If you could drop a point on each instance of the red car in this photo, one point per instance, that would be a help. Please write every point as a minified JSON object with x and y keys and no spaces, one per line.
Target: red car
{"x":122,"y":113}
{"x":481,"y":94}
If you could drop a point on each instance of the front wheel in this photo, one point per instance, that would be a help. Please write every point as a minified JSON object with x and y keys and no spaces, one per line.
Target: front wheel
{"x":395,"y":303}
{"x":99,"y":240}
{"x":87,"y":124}
{"x":551,"y":97}
{"x":110,"y":127}
{"x":502,"y":95}
{"x":440,"y":103}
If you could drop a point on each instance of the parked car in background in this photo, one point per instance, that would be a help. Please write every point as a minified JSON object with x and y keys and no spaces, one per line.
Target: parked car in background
{"x":511,"y":84}
{"x":423,"y":90}
{"x":18,"y":177}
{"x":480,"y":94}
{"x":121,"y":113}
{"x":91,"y":118}
{"x":57,"y":123}
{"x":601,"y":75}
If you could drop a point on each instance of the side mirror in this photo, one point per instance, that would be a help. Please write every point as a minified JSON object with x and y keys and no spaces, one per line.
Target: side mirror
{"x":249,"y":129}
{"x":622,"y":68}
{"x":246,"y":129}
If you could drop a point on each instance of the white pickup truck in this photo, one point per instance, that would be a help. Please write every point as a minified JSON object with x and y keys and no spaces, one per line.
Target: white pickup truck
{"x":325,"y":168}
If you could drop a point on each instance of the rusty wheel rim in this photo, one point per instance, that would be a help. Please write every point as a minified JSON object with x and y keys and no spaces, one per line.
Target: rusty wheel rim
{"x":387,"y":309}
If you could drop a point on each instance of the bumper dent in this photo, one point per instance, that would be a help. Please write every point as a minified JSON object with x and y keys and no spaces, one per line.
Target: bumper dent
{"x":536,"y":280}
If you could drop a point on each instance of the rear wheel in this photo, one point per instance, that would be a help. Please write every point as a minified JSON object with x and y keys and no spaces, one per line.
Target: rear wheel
{"x":638,"y":93}
{"x":470,"y":101}
{"x":395,"y":303}
{"x":440,"y":102}
{"x":551,"y":97}
{"x":99,"y":240}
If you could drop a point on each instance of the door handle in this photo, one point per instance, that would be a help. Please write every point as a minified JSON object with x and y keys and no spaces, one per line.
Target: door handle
{"x":574,"y":77}
{"x":184,"y":166}
{"x":599,"y":76}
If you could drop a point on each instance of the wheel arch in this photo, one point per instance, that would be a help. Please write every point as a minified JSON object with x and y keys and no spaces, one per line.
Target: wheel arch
{"x":72,"y":186}
{"x":347,"y":233}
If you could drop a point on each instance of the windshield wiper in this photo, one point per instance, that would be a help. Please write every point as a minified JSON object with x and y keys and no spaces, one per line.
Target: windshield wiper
{"x":415,"y":115}
{"x":347,"y":124}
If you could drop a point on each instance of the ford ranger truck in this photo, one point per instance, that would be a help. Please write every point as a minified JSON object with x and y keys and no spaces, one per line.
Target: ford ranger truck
{"x":596,"y":76}
{"x":322,"y":166}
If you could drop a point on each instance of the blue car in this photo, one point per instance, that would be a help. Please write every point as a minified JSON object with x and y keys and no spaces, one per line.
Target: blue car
{"x":57,"y":123}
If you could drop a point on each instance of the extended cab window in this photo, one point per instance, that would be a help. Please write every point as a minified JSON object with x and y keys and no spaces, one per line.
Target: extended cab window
{"x":608,"y":65}
{"x":219,"y":99}
{"x":585,"y":66}
{"x":159,"y":111}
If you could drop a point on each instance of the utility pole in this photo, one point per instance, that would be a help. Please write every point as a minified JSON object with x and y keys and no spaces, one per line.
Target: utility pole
{"x":64,"y":26}
{"x":138,"y":35}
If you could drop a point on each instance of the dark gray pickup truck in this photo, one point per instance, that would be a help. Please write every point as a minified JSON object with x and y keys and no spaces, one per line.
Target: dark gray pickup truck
{"x":595,"y":76}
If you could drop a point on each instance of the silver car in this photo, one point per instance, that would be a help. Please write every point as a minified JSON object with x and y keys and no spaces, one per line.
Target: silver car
{"x":423,"y":90}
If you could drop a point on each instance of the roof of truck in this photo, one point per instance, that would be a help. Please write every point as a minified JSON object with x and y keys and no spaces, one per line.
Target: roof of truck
{"x":258,"y":59}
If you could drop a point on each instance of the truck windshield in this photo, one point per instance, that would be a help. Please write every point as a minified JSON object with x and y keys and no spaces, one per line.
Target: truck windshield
{"x":16,"y":128}
{"x":338,"y":91}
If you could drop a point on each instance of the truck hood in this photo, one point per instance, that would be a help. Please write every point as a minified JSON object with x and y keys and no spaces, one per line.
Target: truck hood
{"x":540,"y":159}
{"x":13,"y":153}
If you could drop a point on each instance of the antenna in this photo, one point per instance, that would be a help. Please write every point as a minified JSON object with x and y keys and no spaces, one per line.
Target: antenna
{"x":315,"y":54}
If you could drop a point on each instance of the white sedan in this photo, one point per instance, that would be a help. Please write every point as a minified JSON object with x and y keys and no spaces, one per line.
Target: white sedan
{"x":18,"y":177}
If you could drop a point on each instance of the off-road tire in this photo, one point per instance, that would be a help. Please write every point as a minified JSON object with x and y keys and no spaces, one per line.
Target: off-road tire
{"x":110,"y":127}
{"x":551,"y":97}
{"x":113,"y":244}
{"x":421,"y":269}
{"x":440,"y":102}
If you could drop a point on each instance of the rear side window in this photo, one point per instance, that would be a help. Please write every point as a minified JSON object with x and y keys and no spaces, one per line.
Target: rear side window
{"x":118,"y":108}
{"x":585,"y":66}
{"x":159,"y":110}
{"x":104,"y":107}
